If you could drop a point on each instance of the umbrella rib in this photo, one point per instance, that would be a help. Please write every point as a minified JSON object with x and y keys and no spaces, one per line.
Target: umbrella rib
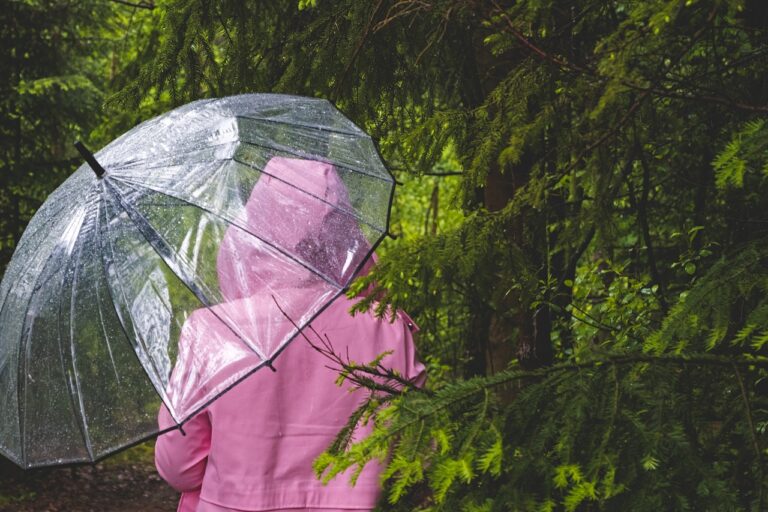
{"x":104,"y":329}
{"x":286,"y":149}
{"x":26,"y":266}
{"x":233,"y":222}
{"x":23,"y":271}
{"x":348,"y":213}
{"x":83,"y":425}
{"x":276,"y":147}
{"x":2,"y":310}
{"x":21,"y":387}
{"x":302,"y":125}
{"x":21,"y":365}
{"x":154,"y":239}
{"x":130,"y":164}
{"x":120,"y":318}
{"x":147,"y":231}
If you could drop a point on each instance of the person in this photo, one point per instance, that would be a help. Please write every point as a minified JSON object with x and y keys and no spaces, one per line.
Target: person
{"x":252,"y":448}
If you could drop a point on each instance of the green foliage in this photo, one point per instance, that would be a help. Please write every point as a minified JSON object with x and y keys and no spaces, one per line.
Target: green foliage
{"x":58,"y":59}
{"x":307,"y":4}
{"x":633,"y":446}
{"x":581,"y":229}
{"x":726,"y":308}
{"x":748,"y":148}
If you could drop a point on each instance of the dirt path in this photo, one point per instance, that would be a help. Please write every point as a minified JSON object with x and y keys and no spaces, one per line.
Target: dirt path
{"x":127,"y":483}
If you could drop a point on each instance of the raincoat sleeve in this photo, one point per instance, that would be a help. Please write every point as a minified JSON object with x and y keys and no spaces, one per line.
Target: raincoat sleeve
{"x":181,"y":459}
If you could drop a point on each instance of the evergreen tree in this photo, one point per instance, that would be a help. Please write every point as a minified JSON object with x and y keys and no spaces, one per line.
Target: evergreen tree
{"x":595,"y":320}
{"x":57,"y":59}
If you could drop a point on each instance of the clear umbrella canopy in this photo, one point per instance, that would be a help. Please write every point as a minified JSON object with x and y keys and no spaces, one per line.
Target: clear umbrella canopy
{"x":217,"y":231}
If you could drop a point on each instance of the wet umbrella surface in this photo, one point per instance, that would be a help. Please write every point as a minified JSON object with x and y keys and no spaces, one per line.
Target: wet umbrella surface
{"x":100,"y":304}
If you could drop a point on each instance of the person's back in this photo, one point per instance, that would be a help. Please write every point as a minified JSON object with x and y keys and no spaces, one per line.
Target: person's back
{"x":253,"y":448}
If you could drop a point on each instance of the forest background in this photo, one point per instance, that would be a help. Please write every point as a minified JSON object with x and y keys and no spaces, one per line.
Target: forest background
{"x":580,"y":226}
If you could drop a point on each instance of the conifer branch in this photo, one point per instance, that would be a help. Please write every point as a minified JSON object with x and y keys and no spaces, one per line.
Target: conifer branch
{"x":373,"y":376}
{"x":356,"y":51}
{"x":141,"y":5}
{"x":400,"y":9}
{"x":753,"y":436}
{"x":641,"y":206}
{"x":608,"y":134}
{"x":449,"y":398}
{"x":654,"y":90}
{"x":535,"y":49}
{"x":444,"y":174}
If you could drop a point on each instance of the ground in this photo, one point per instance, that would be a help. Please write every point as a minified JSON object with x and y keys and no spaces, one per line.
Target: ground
{"x":125,"y":483}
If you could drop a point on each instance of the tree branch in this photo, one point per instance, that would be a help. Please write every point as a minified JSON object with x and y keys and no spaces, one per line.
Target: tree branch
{"x":753,"y":434}
{"x":372,"y":376}
{"x":443,"y":174}
{"x":141,"y":5}
{"x":356,"y":51}
{"x":655,"y":90}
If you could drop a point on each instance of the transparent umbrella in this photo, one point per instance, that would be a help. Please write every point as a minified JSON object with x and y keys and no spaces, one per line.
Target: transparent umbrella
{"x":250,"y":212}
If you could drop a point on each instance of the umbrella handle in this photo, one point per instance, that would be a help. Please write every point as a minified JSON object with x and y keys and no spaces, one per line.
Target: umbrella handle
{"x":88,"y":156}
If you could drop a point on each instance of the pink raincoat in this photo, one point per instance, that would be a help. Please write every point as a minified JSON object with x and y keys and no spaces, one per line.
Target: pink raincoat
{"x":252,"y":449}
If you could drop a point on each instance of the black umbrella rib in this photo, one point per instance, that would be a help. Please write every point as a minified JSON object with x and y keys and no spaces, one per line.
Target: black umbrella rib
{"x":119,"y":315}
{"x":21,"y":273}
{"x":98,"y":305}
{"x":104,"y":331}
{"x":165,"y":163}
{"x":24,"y":269}
{"x":230,"y":222}
{"x":23,"y":340}
{"x":83,"y":424}
{"x":161,"y":247}
{"x":289,"y":151}
{"x":348,"y":213}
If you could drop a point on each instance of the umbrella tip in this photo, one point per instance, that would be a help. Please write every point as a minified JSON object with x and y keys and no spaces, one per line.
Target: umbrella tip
{"x":88,"y":156}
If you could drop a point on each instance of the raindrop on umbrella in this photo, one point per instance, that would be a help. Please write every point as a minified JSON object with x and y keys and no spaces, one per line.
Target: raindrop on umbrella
{"x":235,"y":212}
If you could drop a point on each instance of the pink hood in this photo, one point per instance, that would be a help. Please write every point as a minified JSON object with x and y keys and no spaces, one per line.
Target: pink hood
{"x":301,"y":212}
{"x":299,"y":246}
